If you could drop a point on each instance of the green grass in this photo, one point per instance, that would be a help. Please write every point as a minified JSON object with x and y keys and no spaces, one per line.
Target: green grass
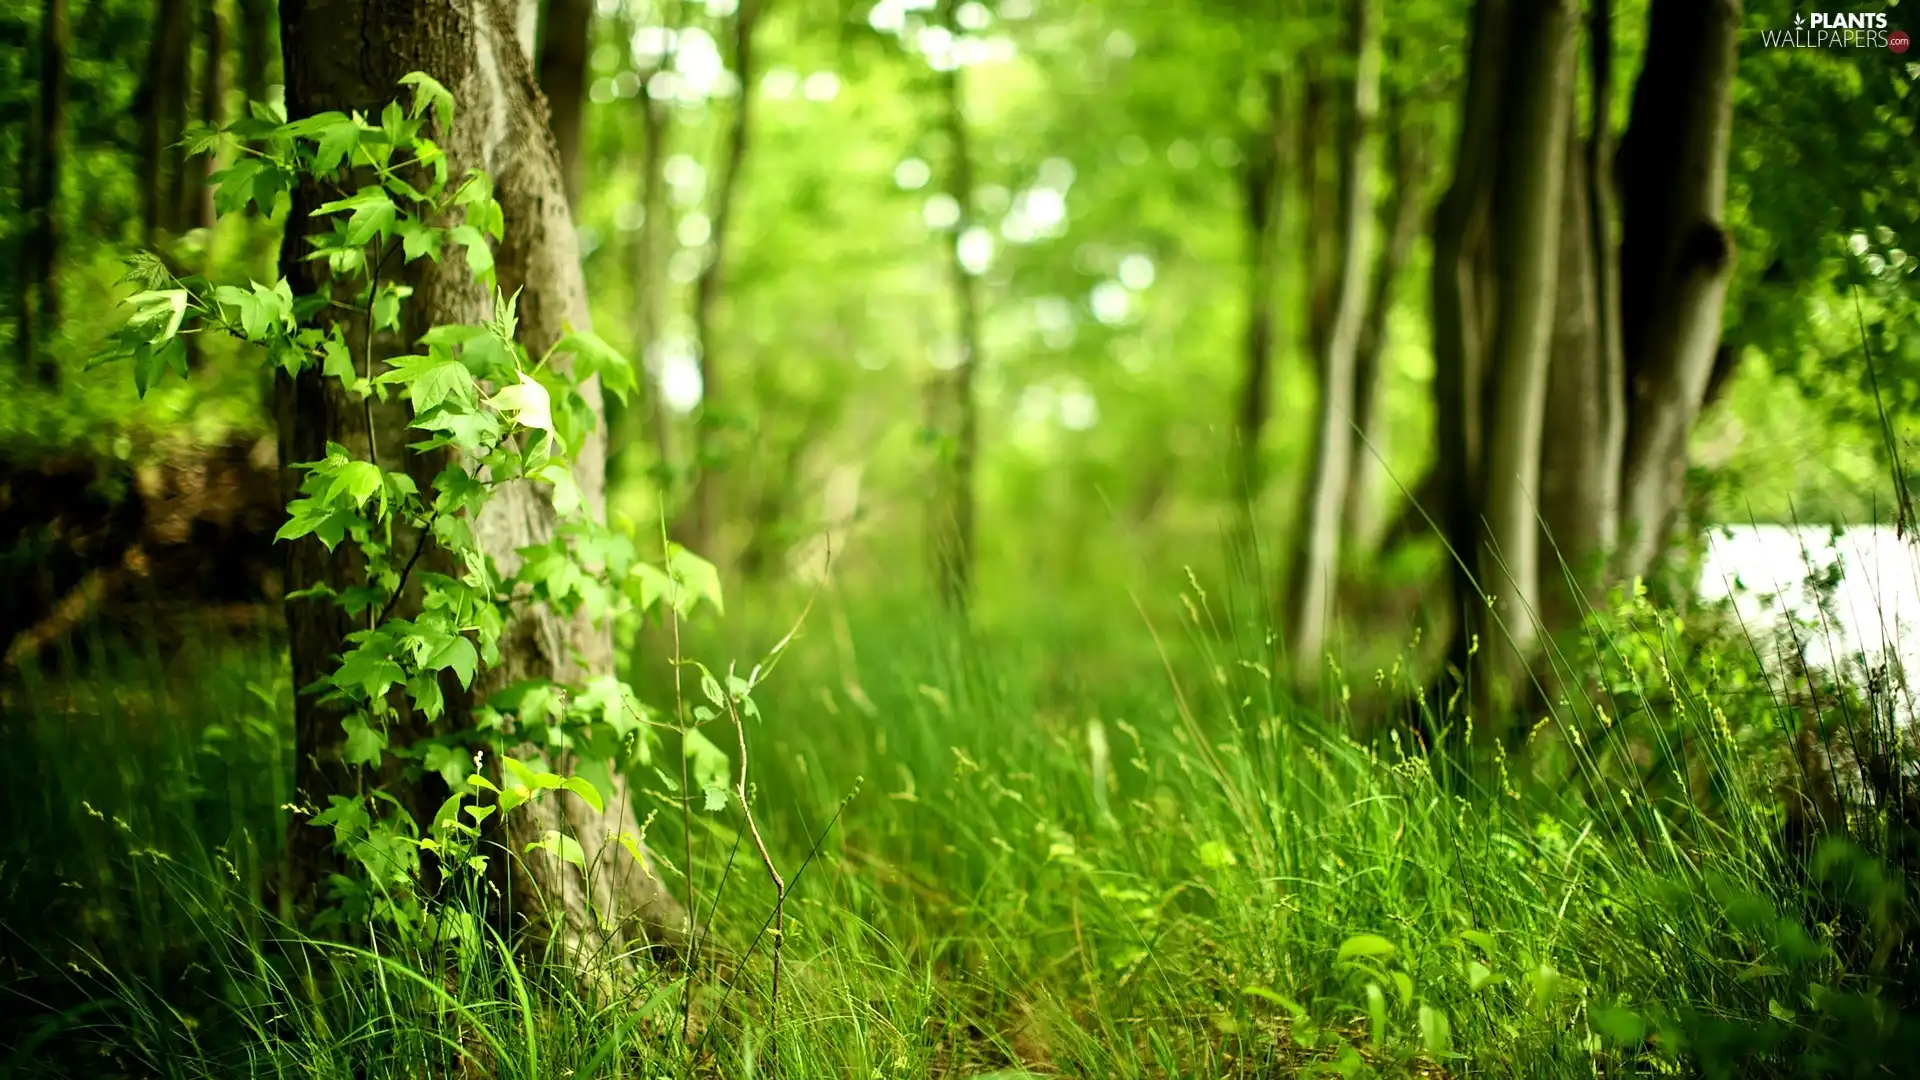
{"x":1008,"y":857}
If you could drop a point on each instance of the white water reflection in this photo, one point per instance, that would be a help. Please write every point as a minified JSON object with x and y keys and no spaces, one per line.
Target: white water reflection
{"x":1872,"y":616}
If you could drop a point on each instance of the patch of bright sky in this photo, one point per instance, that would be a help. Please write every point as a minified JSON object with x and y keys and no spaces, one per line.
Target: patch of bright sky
{"x":679,"y":365}
{"x":1111,"y":302}
{"x":975,"y":249}
{"x":912,"y":174}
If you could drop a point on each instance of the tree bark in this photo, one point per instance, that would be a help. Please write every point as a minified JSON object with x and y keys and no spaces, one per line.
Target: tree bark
{"x":350,"y":54}
{"x":563,"y":77}
{"x":707,"y":482}
{"x":46,"y":152}
{"x":1461,"y":312}
{"x":196,"y":207}
{"x":256,"y":47}
{"x":1404,"y":217}
{"x":164,"y":112}
{"x":1676,"y":257}
{"x":956,"y":415}
{"x":1580,"y":463}
{"x":1317,"y":568}
{"x":1527,"y":199}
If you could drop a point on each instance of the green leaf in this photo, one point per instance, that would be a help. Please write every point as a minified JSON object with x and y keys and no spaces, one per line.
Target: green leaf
{"x":527,"y":404}
{"x":1377,"y":1014}
{"x":708,"y":762}
{"x":451,"y":762}
{"x":593,"y":356}
{"x":1216,"y":855}
{"x":373,"y":214}
{"x":562,"y":845}
{"x":1369,"y":945}
{"x":357,"y":480}
{"x":417,"y":238}
{"x":715,"y":797}
{"x":337,"y":141}
{"x":1619,"y":1026}
{"x":566,"y":491}
{"x":587,"y":792}
{"x":1436,"y":1032}
{"x":459,"y":654}
{"x":428,"y":93}
{"x":364,"y":744}
{"x":1478,"y":975}
{"x":432,"y":380}
{"x":479,"y":252}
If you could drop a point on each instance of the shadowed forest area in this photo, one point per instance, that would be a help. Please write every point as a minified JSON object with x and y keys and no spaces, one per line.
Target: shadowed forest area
{"x":958,"y":538}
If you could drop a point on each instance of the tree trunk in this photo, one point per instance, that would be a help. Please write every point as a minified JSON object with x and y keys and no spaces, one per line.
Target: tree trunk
{"x":1461,"y":311}
{"x":707,"y":463}
{"x":1262,"y":181}
{"x":563,"y":77}
{"x":1404,"y":218}
{"x":164,"y":112}
{"x":350,"y":54}
{"x":1527,"y":200}
{"x":1580,"y":464}
{"x":957,"y":418}
{"x":1315,"y":574}
{"x":1675,"y":255}
{"x":46,"y":152}
{"x":256,"y":47}
{"x":1320,"y":170}
{"x":197,"y":200}
{"x":656,"y":122}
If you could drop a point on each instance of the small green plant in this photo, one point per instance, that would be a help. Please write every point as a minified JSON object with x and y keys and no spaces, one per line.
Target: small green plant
{"x":495,"y":415}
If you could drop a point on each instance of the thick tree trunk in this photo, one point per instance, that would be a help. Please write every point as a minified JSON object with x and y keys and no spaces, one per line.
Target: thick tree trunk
{"x":1262,"y":182}
{"x":1675,"y":256}
{"x":957,"y":421}
{"x":1316,"y":571}
{"x":1527,"y":200}
{"x":1462,"y":304}
{"x":40,"y":284}
{"x":350,"y":54}
{"x":564,"y":38}
{"x":708,"y":472}
{"x":1404,"y":218}
{"x":1586,"y":413}
{"x":163,"y":110}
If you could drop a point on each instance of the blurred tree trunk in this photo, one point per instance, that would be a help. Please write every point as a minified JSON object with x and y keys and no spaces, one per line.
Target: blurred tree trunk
{"x":1265,"y":155}
{"x":163,"y":107}
{"x":1676,"y":257}
{"x":350,"y":54}
{"x":40,"y":189}
{"x":1579,"y":499}
{"x":709,"y":455}
{"x":1495,"y":258}
{"x":1320,"y":175}
{"x":1527,"y":204}
{"x":256,"y":47}
{"x":1631,"y":330}
{"x":1317,"y":558}
{"x":1586,"y":393}
{"x":564,"y":37}
{"x":956,"y":421}
{"x":1404,"y":217}
{"x":196,"y":207}
{"x":649,"y":269}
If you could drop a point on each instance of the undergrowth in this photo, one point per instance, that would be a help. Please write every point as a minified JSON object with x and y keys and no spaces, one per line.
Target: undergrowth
{"x":1196,"y":878}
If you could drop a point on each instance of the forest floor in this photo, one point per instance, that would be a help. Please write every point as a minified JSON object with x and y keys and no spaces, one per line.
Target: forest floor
{"x":1004,"y":862}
